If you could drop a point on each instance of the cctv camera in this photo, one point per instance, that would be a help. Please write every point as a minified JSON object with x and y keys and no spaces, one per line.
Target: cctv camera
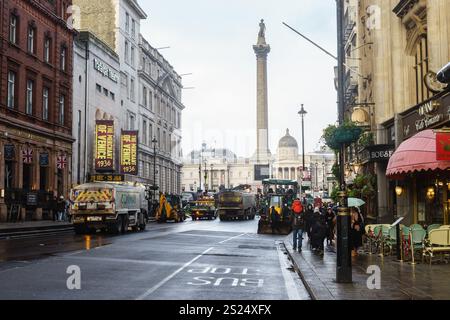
{"x":444,"y":74}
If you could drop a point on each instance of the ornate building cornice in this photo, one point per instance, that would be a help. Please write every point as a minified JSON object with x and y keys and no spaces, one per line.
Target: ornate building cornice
{"x":403,"y":7}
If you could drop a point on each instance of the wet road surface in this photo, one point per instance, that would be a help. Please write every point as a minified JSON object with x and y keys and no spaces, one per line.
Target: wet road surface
{"x":199,"y":260}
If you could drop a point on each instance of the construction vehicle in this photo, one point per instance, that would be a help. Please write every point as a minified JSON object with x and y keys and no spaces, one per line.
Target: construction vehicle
{"x":170,"y":208}
{"x":236,"y":205}
{"x":275,"y":206}
{"x":108,"y":206}
{"x":204,"y":207}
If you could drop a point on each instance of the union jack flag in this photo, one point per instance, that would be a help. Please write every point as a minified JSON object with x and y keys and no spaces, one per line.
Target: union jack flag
{"x":27,"y":156}
{"x":61,"y":162}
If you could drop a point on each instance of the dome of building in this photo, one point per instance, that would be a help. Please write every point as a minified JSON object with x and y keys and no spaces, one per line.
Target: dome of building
{"x":288,"y":141}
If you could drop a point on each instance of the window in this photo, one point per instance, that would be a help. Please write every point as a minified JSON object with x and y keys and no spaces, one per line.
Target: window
{"x":159,"y":138}
{"x":131,"y":120}
{"x":127,"y":23}
{"x":62,"y":105}
{"x":99,"y":88}
{"x":132,"y":56}
{"x":29,"y":102}
{"x":47,"y":44}
{"x":133,"y":29}
{"x":132,"y":89}
{"x":45,"y":101}
{"x":11,"y":101}
{"x":144,"y":132}
{"x":13,"y":29}
{"x":113,"y":96}
{"x":127,"y":52}
{"x":63,"y":58}
{"x":105,"y":92}
{"x":144,"y":96}
{"x":151,"y":132}
{"x":31,"y":39}
{"x":421,"y":69}
{"x":150,"y":100}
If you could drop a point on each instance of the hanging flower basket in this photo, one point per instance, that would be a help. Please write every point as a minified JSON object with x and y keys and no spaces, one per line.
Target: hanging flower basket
{"x":347,"y":133}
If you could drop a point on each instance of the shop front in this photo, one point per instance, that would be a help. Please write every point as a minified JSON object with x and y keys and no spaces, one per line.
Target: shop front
{"x":34,"y":171}
{"x":419,"y":169}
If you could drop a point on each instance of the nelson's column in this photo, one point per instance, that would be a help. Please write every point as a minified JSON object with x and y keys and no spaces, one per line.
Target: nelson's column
{"x":262,"y":49}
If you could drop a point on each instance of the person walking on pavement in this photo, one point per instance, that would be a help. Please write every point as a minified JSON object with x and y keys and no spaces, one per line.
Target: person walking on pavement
{"x":318,"y":232}
{"x":298,"y":224}
{"x":61,"y":207}
{"x":356,"y":231}
{"x":309,"y":215}
{"x":330,"y":225}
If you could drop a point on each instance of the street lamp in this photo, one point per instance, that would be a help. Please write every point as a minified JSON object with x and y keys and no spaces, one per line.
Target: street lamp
{"x":212,"y":177}
{"x":302,"y":114}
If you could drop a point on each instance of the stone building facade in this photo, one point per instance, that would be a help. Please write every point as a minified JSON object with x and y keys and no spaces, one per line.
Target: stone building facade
{"x":96,"y":81}
{"x":160,"y":108}
{"x":35,"y":107}
{"x":150,"y":90}
{"x":399,"y":46}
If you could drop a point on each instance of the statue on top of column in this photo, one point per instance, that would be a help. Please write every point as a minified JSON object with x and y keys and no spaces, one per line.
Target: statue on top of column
{"x":262,"y":32}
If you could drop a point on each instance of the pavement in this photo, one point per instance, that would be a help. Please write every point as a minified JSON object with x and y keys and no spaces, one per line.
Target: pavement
{"x":194,"y":260}
{"x":399,"y":280}
{"x":32,"y":228}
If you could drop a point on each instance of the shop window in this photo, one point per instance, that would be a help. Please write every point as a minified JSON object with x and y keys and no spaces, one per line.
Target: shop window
{"x":9,"y":174}
{"x":43,"y":178}
{"x":27,"y":177}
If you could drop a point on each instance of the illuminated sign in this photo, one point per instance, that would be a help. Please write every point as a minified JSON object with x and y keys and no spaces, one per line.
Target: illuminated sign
{"x":107,"y":178}
{"x":128,"y":150}
{"x":104,"y":143}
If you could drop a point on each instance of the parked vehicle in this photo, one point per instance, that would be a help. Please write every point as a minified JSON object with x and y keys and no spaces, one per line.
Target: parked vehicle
{"x":188,"y":197}
{"x":108,"y":206}
{"x":170,"y":209}
{"x":236,"y":205}
{"x":203,"y":208}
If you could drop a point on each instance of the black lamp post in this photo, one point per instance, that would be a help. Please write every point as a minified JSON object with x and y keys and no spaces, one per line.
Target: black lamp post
{"x":302,"y":114}
{"x":343,"y":248}
{"x":212,"y":177}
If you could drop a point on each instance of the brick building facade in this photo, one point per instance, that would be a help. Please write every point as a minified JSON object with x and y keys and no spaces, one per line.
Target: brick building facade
{"x":36,"y":57}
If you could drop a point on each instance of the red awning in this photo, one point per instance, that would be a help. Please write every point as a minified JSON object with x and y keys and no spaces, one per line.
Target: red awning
{"x":416,"y":154}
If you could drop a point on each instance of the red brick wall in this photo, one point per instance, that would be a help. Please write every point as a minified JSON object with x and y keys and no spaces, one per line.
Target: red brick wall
{"x":46,"y":17}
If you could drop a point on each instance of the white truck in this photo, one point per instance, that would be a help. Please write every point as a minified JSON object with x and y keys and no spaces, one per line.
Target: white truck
{"x":108,"y":206}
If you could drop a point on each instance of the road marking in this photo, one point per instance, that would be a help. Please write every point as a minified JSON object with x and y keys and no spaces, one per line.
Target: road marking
{"x":221,"y":242}
{"x":288,"y":278}
{"x":166,"y":279}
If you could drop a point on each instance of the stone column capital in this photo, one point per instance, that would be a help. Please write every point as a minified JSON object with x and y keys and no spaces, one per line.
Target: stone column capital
{"x":261,"y":51}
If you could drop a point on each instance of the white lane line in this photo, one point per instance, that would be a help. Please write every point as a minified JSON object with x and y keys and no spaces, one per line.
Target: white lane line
{"x":221,"y":242}
{"x":288,"y":278}
{"x":166,"y":279}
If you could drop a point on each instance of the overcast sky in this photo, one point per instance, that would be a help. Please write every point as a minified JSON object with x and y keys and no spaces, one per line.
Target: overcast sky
{"x":213,"y":39}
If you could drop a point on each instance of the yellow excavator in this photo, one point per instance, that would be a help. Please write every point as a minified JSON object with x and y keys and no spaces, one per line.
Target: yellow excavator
{"x":170,"y":209}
